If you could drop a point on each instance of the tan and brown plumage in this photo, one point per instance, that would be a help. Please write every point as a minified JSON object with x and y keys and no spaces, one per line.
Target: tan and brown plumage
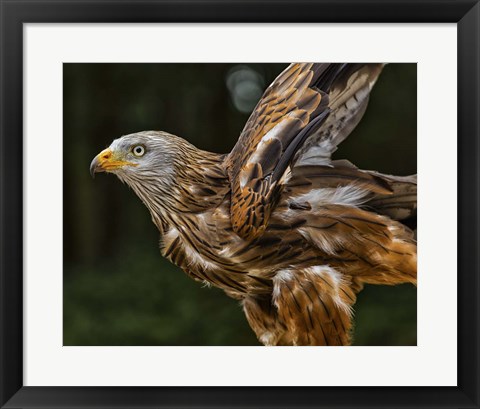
{"x":276,"y":223}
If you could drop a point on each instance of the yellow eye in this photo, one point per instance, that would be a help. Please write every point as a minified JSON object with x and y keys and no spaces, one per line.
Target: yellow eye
{"x":138,"y":150}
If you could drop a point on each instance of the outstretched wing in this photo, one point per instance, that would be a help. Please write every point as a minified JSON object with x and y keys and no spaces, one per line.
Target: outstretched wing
{"x":348,"y":97}
{"x":295,"y":108}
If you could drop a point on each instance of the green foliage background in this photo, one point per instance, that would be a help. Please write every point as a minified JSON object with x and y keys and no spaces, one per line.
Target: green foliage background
{"x":118,"y":290}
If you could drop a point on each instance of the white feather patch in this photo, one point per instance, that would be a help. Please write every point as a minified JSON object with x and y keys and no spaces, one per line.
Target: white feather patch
{"x":336,"y":278}
{"x":169,"y":237}
{"x":350,"y":195}
{"x":267,"y":338}
{"x":325,"y":241}
{"x":280,"y":278}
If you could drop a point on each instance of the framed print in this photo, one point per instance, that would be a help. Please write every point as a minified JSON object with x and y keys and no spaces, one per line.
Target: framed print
{"x":241,"y":134}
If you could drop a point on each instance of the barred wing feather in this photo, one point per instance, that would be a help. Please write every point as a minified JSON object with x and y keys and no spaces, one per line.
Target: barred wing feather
{"x":301,"y":117}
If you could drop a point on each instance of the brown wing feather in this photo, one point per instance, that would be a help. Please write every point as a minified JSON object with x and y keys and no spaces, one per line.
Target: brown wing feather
{"x":294,"y":109}
{"x":339,"y":173}
{"x":286,"y":108}
{"x":348,"y":100}
{"x":369,"y":247}
{"x":394,"y":196}
{"x":315,"y":306}
{"x":310,"y":306}
{"x":402,"y":203}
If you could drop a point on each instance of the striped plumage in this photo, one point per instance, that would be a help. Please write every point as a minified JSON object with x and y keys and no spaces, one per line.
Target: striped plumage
{"x":276,"y":223}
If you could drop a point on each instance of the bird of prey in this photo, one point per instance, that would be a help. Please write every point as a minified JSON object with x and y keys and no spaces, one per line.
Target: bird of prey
{"x":276,"y":223}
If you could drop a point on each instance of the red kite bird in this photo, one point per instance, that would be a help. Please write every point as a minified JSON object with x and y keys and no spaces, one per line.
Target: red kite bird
{"x":276,"y":223}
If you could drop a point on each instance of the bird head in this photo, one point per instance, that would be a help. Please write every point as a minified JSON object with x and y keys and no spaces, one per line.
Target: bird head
{"x":160,"y":168}
{"x":155,"y":165}
{"x":140,"y":157}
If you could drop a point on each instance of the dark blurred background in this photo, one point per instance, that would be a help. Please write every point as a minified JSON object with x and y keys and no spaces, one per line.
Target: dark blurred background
{"x":118,"y":290}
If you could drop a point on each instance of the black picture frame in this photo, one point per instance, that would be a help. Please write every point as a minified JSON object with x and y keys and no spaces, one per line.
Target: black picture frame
{"x":14,"y":13}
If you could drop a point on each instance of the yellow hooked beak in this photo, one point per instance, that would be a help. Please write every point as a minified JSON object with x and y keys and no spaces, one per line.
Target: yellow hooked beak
{"x":106,"y":161}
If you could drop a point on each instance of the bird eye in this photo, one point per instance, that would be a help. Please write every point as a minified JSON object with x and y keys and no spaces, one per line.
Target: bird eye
{"x":138,"y":150}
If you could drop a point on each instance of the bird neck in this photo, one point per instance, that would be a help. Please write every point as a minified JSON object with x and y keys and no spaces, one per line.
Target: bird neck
{"x":199,"y":183}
